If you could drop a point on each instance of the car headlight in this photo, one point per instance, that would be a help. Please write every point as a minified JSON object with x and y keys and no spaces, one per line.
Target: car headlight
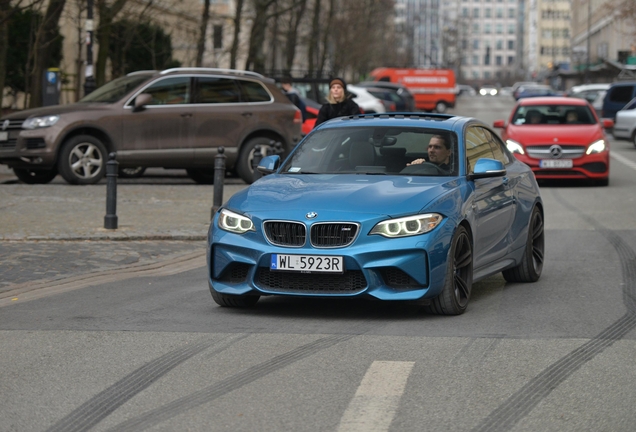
{"x":407,"y":226}
{"x":234,"y":222}
{"x":40,"y":122}
{"x":596,"y":147}
{"x":514,"y":147}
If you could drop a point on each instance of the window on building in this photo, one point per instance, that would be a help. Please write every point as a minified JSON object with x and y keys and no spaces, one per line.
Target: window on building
{"x":499,"y":28}
{"x":511,"y":44}
{"x":475,"y":74}
{"x":476,"y":44}
{"x":476,"y":13}
{"x":218,"y":36}
{"x":512,"y":13}
{"x":464,"y":44}
{"x":498,"y":60}
{"x":487,"y":28}
{"x":511,"y":28}
{"x":499,"y":12}
{"x":511,"y":60}
{"x":475,"y":28}
{"x":475,"y":60}
{"x":486,"y":74}
{"x":499,"y":45}
{"x":465,"y":12}
{"x":487,"y":12}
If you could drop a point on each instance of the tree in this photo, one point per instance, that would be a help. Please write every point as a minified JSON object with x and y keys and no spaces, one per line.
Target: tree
{"x":46,"y":36}
{"x":107,"y":14}
{"x":255,"y":55}
{"x":139,"y":46}
{"x":295,"y":16}
{"x":205,"y":18}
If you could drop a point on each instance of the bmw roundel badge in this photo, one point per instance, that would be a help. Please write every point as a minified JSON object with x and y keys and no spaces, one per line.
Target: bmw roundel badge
{"x":311,"y":215}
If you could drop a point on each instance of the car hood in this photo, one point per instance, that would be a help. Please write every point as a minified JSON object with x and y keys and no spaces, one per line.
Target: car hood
{"x":546,"y":134}
{"x":57,"y":109}
{"x":369,"y":194}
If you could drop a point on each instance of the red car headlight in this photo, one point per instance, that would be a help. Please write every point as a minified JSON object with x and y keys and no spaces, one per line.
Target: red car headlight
{"x":596,"y":147}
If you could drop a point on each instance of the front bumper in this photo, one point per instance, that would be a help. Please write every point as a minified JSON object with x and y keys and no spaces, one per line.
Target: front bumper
{"x":409,"y":268}
{"x":28,"y":149}
{"x":593,"y":167}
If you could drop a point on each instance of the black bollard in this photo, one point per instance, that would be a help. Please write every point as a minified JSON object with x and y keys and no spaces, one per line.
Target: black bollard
{"x":256,"y":159}
{"x":112,"y":168}
{"x":219,"y":179}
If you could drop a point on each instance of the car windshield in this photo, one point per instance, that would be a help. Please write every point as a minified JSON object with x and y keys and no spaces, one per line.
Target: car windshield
{"x":115,"y":89}
{"x":375,"y":151}
{"x":553,"y":114}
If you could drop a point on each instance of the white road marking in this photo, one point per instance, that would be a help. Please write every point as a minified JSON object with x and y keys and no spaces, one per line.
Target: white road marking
{"x":377,"y":399}
{"x":624,"y":160}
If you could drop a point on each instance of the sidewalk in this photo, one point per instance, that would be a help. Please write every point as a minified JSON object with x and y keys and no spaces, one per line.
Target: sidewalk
{"x":58,"y":211}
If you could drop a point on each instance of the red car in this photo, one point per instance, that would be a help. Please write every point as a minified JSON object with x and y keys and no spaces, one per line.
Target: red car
{"x":559,"y":138}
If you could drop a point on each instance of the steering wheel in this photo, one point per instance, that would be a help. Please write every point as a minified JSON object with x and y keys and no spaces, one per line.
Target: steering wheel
{"x":425,"y":168}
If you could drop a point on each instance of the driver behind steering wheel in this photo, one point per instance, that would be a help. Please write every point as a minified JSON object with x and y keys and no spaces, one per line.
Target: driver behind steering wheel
{"x":439,"y":153}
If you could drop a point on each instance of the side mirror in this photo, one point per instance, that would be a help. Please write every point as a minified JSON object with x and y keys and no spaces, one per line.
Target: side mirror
{"x":487,"y":168}
{"x":141,"y":101}
{"x":269,"y":164}
{"x":608,"y":123}
{"x":499,"y":124}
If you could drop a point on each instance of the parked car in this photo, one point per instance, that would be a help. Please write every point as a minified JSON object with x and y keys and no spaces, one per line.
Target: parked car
{"x":589,"y":92}
{"x":617,"y":96}
{"x":177,"y":118}
{"x":359,"y":221}
{"x":536,"y":91}
{"x":542,"y":133}
{"x":365,"y":100}
{"x":597,"y":103}
{"x":406,"y":102}
{"x":515,"y":86}
{"x":625,"y":123}
{"x":488,"y":90}
{"x":312,"y":108}
{"x":465,"y":89}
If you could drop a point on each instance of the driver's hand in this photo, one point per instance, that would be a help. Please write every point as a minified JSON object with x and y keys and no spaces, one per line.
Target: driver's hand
{"x":416,"y":162}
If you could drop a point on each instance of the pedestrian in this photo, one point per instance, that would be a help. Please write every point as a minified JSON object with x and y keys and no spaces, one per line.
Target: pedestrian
{"x":293,"y":95}
{"x":339,"y":105}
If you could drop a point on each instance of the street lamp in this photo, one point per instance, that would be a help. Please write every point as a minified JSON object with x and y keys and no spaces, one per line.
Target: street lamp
{"x":89,"y":83}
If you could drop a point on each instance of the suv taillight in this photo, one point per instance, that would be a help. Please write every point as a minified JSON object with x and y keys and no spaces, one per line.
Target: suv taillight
{"x":298,"y":117}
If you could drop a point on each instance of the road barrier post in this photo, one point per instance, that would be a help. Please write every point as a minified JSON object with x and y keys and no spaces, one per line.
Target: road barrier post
{"x":219,"y":179}
{"x":112,"y":168}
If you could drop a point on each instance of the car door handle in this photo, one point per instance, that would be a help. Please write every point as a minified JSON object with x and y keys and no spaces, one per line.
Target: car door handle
{"x":186,"y":115}
{"x":247,"y":114}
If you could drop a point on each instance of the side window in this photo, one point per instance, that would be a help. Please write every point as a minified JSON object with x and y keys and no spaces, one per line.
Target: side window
{"x":477,"y":146}
{"x":499,"y":150}
{"x":254,"y":92}
{"x":216,"y":90}
{"x":170,"y":91}
{"x":622,"y":93}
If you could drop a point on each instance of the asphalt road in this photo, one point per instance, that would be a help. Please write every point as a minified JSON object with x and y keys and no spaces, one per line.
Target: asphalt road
{"x":125,"y":352}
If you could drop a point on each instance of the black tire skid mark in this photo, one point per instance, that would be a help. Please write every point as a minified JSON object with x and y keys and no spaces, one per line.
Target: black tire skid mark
{"x":210,"y":393}
{"x":104,"y":403}
{"x":523,"y":401}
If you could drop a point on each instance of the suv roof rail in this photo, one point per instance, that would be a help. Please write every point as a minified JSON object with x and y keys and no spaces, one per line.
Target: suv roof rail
{"x":413,"y":115}
{"x":201,"y":69}
{"x":141,"y":72}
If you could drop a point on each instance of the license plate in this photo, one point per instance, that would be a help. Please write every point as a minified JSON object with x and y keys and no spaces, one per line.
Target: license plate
{"x":4,"y":136}
{"x":555,"y":163}
{"x":307,"y":263}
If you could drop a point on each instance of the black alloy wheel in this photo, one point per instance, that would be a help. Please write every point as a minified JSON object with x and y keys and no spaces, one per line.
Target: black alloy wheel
{"x":531,"y":266}
{"x":455,"y":295}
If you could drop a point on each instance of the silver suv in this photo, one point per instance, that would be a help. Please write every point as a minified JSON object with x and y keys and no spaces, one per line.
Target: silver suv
{"x":176,"y":118}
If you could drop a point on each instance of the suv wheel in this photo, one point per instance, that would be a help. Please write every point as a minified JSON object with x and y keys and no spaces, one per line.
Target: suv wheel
{"x":82,"y":160}
{"x":131,"y":172}
{"x":35,"y":176}
{"x":244,"y":162}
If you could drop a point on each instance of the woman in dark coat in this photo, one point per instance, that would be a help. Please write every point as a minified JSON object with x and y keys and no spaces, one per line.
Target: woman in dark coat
{"x":339,"y":104}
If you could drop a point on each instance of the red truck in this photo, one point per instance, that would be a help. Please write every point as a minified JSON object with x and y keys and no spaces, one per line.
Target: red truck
{"x":433,"y":89}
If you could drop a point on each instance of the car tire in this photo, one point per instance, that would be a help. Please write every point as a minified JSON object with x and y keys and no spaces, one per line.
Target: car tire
{"x":131,"y":172}
{"x":82,"y":160}
{"x":201,"y":175}
{"x":234,"y":301}
{"x":244,"y":162}
{"x":634,"y":138}
{"x":441,"y":107}
{"x":35,"y":176}
{"x":531,"y":265}
{"x":458,"y":284}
